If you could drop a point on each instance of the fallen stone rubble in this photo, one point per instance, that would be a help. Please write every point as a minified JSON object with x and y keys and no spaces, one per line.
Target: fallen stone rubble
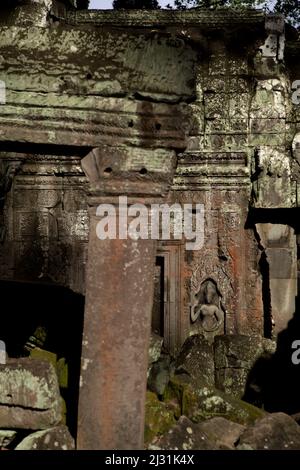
{"x":31,"y":408}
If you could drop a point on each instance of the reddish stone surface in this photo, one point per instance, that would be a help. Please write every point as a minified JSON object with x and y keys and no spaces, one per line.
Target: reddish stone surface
{"x":115,"y":343}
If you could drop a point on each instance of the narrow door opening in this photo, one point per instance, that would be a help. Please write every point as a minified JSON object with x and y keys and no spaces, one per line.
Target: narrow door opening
{"x":158,"y":299}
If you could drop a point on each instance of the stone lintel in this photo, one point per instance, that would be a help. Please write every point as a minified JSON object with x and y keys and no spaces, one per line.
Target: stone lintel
{"x":161,"y":18}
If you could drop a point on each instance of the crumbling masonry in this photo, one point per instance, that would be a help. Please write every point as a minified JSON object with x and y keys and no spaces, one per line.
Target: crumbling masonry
{"x":162,"y":106}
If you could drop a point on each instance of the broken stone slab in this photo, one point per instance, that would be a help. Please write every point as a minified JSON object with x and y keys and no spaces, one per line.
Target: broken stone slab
{"x":60,"y":364}
{"x":237,"y":350}
{"x":276,"y":431}
{"x":29,"y":395}
{"x":296,"y":417}
{"x":235,"y":356}
{"x":213,"y":434}
{"x":160,"y":374}
{"x":56,"y":438}
{"x":212,"y":403}
{"x":225,"y":432}
{"x":185,"y":435}
{"x":200,"y":402}
{"x":159,"y":417}
{"x":6,"y":437}
{"x":42,"y":354}
{"x":196,"y":358}
{"x":155,"y":348}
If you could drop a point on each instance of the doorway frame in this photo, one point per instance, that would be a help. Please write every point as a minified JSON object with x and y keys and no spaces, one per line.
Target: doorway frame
{"x":174,"y":324}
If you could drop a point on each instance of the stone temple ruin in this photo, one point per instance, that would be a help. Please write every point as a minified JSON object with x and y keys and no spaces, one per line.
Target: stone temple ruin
{"x":193,"y":107}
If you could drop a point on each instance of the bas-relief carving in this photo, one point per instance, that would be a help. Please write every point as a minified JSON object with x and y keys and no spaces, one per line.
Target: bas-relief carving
{"x":207,"y":315}
{"x":7,"y":173}
{"x":46,"y":221}
{"x":271,"y":177}
{"x":207,"y":309}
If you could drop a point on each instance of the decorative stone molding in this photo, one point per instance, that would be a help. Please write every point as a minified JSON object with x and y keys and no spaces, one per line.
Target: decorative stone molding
{"x":199,"y":170}
{"x":136,"y":172}
{"x":272,"y":182}
{"x":189,"y":18}
{"x":8,"y":170}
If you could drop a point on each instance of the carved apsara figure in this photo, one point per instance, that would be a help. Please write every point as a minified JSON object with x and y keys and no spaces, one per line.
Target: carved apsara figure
{"x":206,"y":311}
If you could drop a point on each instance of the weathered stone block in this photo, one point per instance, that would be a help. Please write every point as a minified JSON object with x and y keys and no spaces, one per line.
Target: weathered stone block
{"x":56,"y":438}
{"x":159,"y":417}
{"x":235,"y":355}
{"x":265,"y":126}
{"x":185,"y":435}
{"x":6,"y":437}
{"x":199,"y":402}
{"x":29,"y":395}
{"x":276,"y":431}
{"x":225,"y":432}
{"x":283,"y":296}
{"x":160,"y":374}
{"x":217,"y":63}
{"x":269,"y":48}
{"x":196,"y":359}
{"x":282,"y":263}
{"x":276,"y":235}
{"x":236,"y":350}
{"x":238,"y":124}
{"x":212,"y":105}
{"x":36,"y":12}
{"x":155,"y":347}
{"x":232,"y":381}
{"x":269,"y":99}
{"x":264,"y":138}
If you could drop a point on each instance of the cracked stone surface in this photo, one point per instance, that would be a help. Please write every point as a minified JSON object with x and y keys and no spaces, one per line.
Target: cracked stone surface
{"x":56,"y":438}
{"x":29,"y":395}
{"x":276,"y":431}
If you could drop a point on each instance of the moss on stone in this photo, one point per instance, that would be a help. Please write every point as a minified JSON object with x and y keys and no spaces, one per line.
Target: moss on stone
{"x":62,"y":372}
{"x":159,"y":417}
{"x":38,"y":353}
{"x":200,"y":402}
{"x":60,"y":365}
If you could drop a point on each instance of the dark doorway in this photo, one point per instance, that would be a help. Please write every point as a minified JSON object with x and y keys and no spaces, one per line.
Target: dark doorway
{"x":158,"y":299}
{"x":27,"y":309}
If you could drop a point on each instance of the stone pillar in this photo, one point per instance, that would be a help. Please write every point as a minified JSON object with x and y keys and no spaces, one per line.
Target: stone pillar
{"x":119,"y":296}
{"x":279,"y":243}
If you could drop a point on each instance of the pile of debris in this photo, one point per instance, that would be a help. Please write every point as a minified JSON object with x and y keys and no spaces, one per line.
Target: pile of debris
{"x":199,"y":400}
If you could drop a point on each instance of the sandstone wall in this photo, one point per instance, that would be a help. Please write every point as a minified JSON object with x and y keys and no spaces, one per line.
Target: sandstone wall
{"x":216,"y":88}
